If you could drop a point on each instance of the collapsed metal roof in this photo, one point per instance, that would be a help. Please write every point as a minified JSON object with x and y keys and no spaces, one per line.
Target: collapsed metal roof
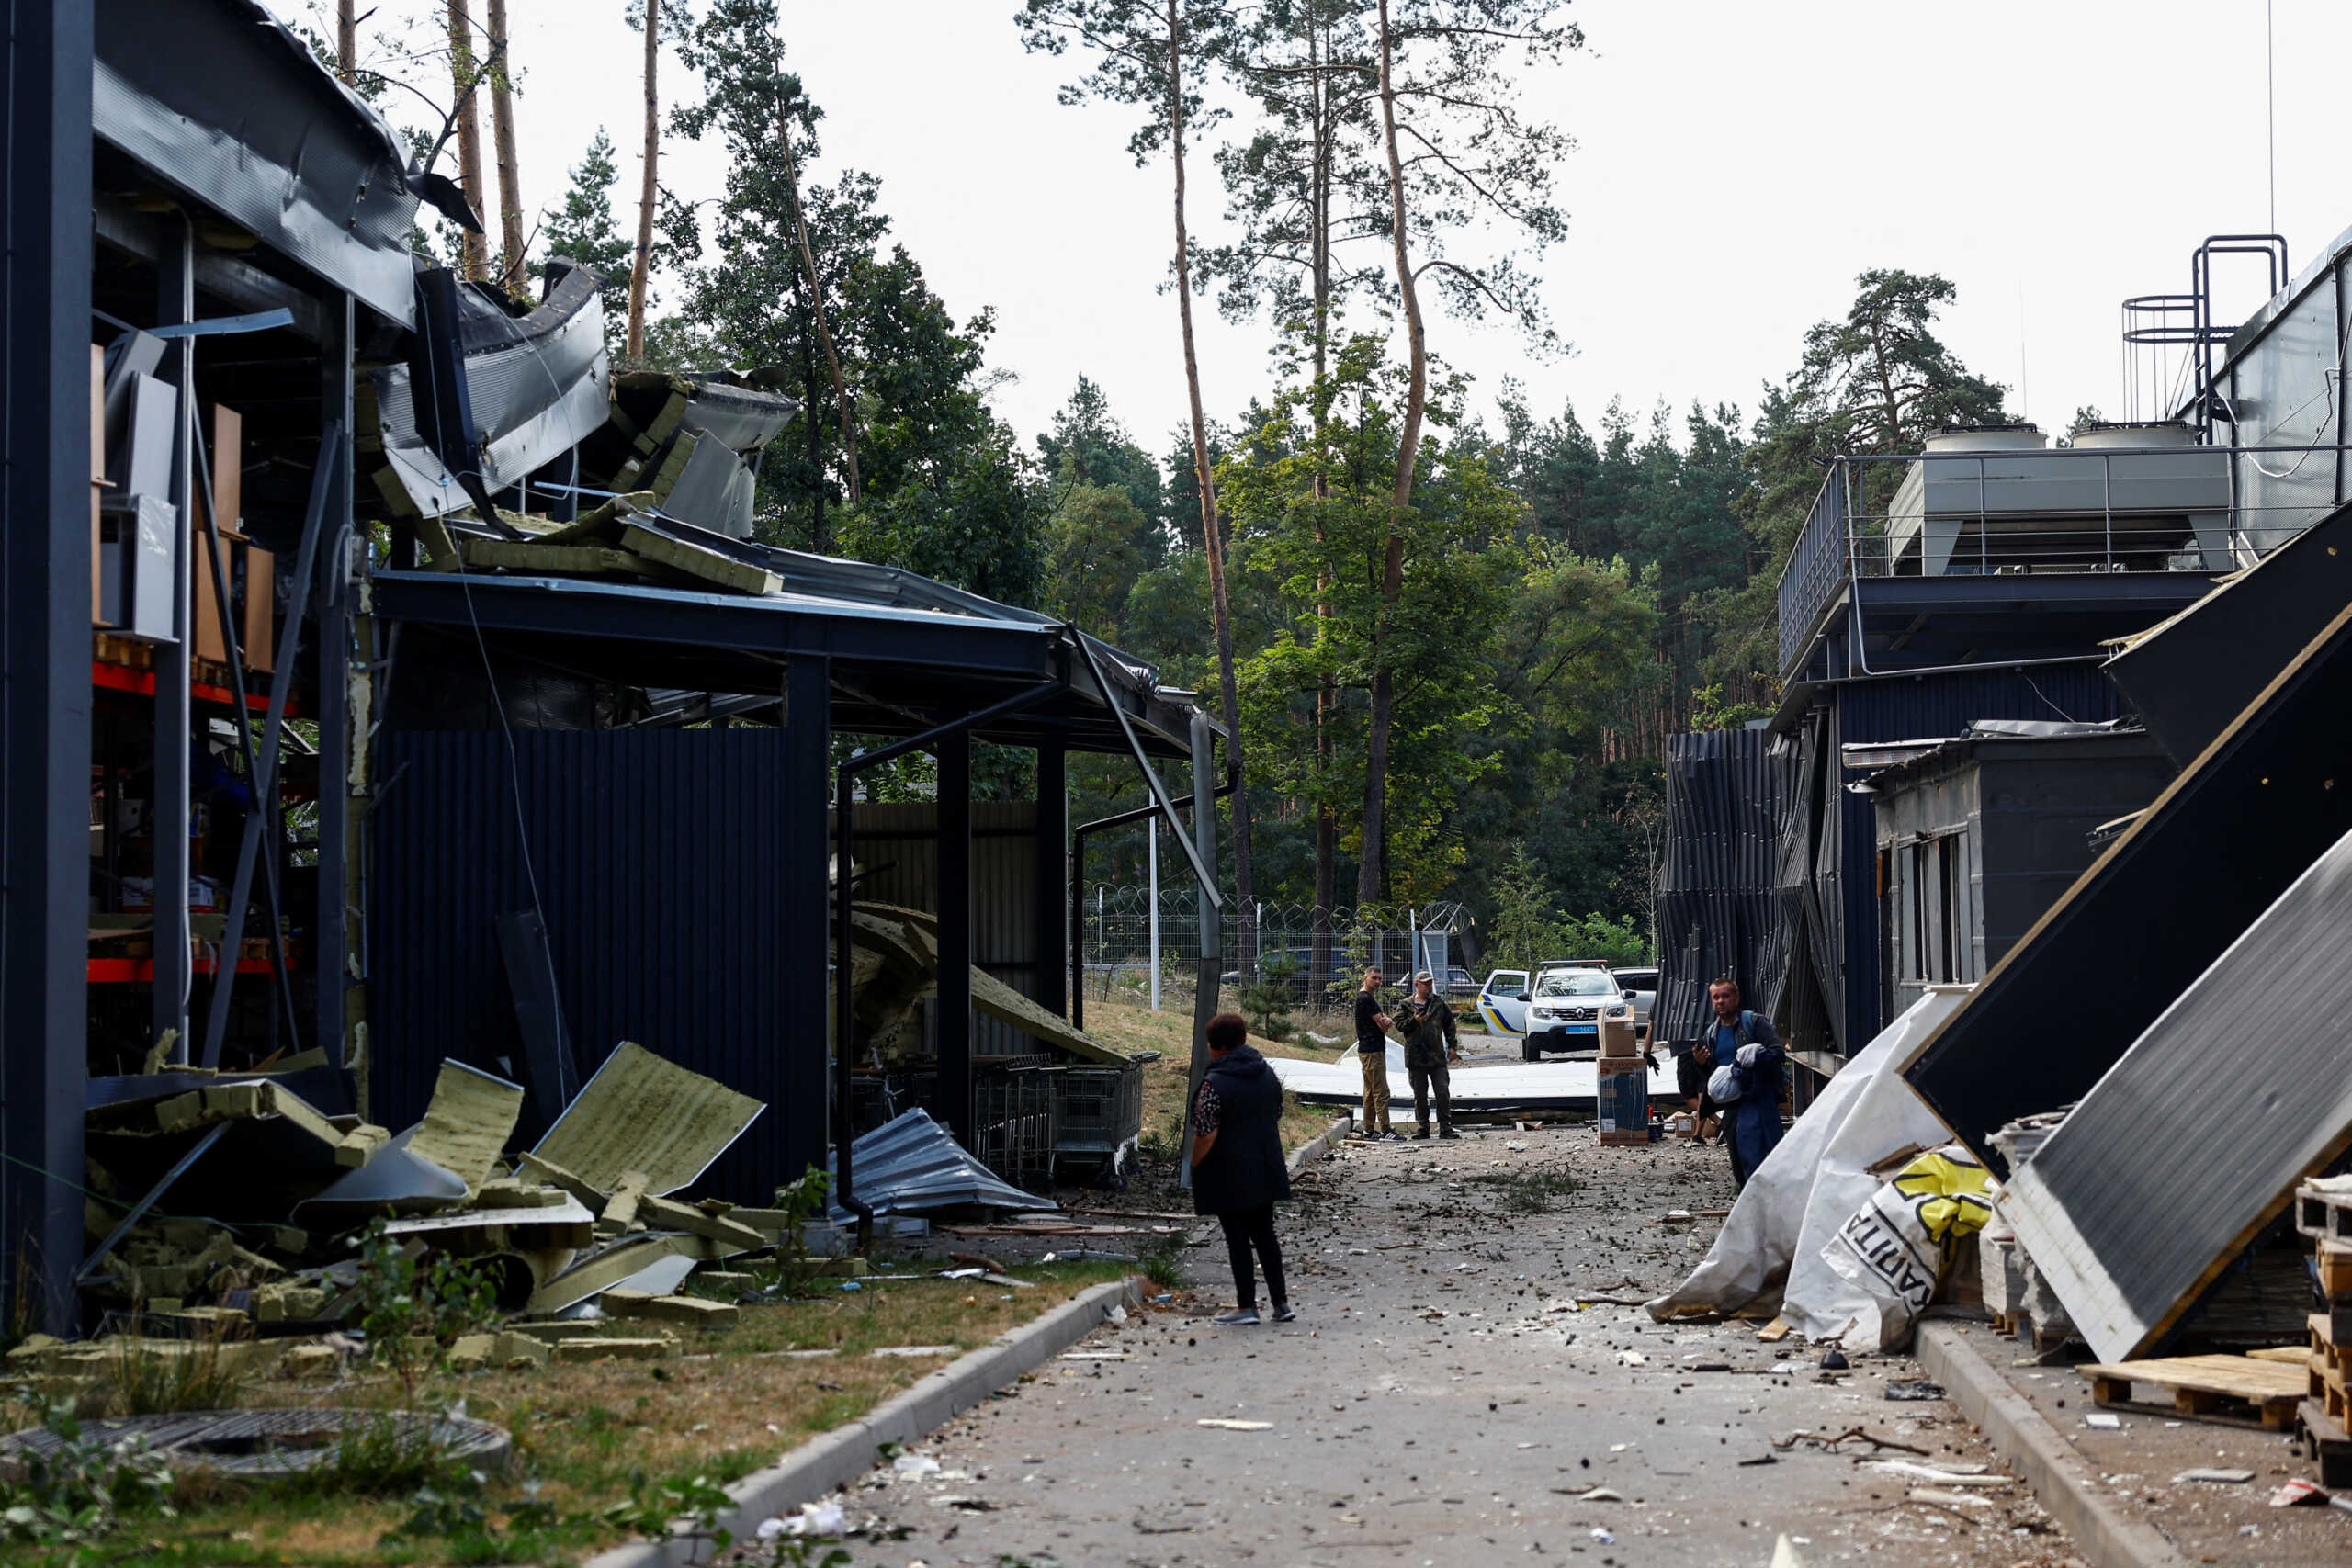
{"x":304,"y":166}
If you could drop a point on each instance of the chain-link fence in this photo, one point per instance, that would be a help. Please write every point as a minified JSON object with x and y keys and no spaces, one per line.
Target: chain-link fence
{"x":1306,"y":949}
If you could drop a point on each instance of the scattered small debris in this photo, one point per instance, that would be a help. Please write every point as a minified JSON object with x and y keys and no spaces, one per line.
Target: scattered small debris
{"x":1225,"y":1424}
{"x":2103,"y":1421}
{"x":2217,"y":1477}
{"x":1914,"y":1388}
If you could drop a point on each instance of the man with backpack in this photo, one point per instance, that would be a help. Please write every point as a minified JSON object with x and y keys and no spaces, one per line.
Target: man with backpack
{"x":1740,"y":1052}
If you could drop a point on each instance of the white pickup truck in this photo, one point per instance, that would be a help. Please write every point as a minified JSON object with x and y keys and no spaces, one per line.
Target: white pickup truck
{"x":1561,"y":1011}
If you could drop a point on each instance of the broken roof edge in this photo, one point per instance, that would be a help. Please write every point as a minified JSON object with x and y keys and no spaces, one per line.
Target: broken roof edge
{"x":307,"y":168}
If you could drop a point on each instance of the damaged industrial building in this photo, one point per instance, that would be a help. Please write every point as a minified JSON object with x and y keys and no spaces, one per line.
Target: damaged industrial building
{"x":2039,"y":856}
{"x":472,"y":843}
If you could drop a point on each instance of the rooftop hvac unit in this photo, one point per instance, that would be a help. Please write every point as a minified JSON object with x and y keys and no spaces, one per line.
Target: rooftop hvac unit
{"x":2122,"y":498}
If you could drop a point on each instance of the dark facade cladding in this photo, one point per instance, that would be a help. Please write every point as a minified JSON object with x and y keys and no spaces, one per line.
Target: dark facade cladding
{"x":1836,"y":998}
{"x":1726,"y":793}
{"x":1978,"y":837}
{"x":654,"y":854}
{"x":2189,"y":677}
{"x":2160,"y":905}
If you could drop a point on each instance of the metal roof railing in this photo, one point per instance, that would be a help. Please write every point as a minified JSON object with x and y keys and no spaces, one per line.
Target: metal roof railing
{"x":2031,"y":512}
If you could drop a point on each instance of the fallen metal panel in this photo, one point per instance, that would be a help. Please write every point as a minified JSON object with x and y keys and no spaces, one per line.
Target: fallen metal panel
{"x":910,"y":1165}
{"x":714,"y":492}
{"x":2216,"y":849}
{"x":2189,"y":676}
{"x":2245,"y":1081}
{"x":538,"y":385}
{"x":1539,"y":1086}
{"x":642,"y":1113}
{"x":219,"y":98}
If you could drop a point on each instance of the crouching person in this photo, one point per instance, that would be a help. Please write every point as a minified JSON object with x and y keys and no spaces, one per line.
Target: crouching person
{"x":1238,"y":1173}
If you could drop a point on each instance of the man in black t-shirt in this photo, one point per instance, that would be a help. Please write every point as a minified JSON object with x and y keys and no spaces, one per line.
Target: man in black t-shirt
{"x":1371,"y":1047}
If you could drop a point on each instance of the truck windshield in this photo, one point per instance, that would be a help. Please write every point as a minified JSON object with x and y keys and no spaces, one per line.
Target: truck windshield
{"x":1574,"y":982}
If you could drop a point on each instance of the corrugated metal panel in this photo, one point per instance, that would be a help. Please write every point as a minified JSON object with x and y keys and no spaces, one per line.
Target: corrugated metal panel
{"x":1719,"y":886}
{"x":657,"y":855}
{"x":2102,"y":1206}
{"x":896,"y":850}
{"x":2154,"y":912}
{"x":2196,"y":673}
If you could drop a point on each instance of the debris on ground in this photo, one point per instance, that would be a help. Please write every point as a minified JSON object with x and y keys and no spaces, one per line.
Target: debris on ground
{"x":585,"y":1242}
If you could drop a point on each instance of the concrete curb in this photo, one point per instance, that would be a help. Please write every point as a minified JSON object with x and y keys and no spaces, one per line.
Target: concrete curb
{"x":1316,"y":1147}
{"x":841,"y":1456}
{"x":2060,"y":1477}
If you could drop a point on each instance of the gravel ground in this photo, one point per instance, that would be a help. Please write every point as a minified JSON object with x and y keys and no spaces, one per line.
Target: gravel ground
{"x":1451,"y":1391}
{"x":2209,"y":1521}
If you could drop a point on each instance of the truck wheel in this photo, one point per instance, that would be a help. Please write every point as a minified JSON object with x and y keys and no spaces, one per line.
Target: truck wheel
{"x":1530,"y":1051}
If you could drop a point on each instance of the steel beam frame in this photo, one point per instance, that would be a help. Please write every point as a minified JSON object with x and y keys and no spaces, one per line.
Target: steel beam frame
{"x":1051,"y":936}
{"x":45,"y":475}
{"x":952,"y":1012}
{"x":331,"y":931}
{"x":807,"y":753}
{"x":168,"y":814}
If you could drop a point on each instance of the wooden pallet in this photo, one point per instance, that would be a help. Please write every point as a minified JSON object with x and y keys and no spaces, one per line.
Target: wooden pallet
{"x":2327,"y":1347}
{"x":2327,"y":1215}
{"x":2328,"y":1442}
{"x":2335,"y":1263}
{"x":2239,"y":1390}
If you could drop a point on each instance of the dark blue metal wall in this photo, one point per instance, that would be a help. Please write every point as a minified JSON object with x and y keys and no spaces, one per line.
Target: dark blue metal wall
{"x":659,"y":857}
{"x":1918,"y":708}
{"x":1719,"y":907}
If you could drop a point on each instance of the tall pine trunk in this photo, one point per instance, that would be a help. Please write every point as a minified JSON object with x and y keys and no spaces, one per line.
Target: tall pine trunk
{"x":1373,"y":868}
{"x":651,"y":189}
{"x":817,"y":304}
{"x":474,"y":257}
{"x":502,"y":133}
{"x":346,"y":42}
{"x":1246,"y":916}
{"x":1327,"y":696}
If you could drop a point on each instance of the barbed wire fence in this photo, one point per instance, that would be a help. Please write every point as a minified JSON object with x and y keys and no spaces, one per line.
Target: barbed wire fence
{"x":1116,"y":931}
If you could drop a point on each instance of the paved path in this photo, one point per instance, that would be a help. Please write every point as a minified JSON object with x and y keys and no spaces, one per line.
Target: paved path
{"x":1440,"y":1402}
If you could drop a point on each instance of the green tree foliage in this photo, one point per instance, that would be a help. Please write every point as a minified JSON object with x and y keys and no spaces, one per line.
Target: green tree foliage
{"x":1522,"y":925}
{"x":1089,"y":446}
{"x":582,"y":229}
{"x":1436,"y":641}
{"x":945,"y":491}
{"x":1873,"y":382}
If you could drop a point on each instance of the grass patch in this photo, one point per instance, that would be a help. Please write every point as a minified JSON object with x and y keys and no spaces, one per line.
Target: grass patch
{"x":1527,"y":1190}
{"x":595,"y":1440}
{"x":1125,"y":1026}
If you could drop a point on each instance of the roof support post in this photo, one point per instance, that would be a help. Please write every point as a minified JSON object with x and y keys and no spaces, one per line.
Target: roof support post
{"x":808,"y":744}
{"x":1212,"y":958}
{"x":1051,"y":937}
{"x":168,"y":818}
{"x":952,"y":1011}
{"x":45,"y":563}
{"x":331,"y":931}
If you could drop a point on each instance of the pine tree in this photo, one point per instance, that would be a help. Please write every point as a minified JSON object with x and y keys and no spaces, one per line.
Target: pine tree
{"x":583,"y":229}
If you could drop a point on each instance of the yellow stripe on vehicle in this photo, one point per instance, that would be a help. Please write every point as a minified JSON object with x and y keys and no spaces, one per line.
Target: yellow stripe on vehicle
{"x":1495,"y":1020}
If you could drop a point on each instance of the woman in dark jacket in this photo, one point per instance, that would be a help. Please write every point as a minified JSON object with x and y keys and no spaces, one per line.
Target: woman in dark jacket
{"x":1238,"y":1173}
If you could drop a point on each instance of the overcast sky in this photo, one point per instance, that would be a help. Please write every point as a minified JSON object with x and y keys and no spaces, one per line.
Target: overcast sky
{"x":1737,"y":164}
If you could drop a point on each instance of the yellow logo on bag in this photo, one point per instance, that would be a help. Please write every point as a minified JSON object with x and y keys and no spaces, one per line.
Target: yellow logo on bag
{"x":1948,"y":1191}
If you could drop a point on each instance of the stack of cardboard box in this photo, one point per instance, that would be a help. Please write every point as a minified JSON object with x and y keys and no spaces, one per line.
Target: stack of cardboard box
{"x":1624,"y":1084}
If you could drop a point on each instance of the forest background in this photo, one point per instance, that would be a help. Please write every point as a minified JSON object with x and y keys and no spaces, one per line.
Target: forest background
{"x":1454,"y":642}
